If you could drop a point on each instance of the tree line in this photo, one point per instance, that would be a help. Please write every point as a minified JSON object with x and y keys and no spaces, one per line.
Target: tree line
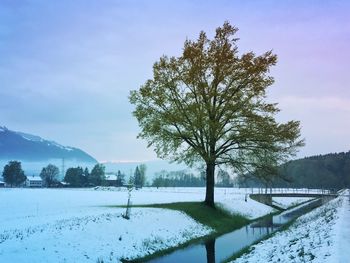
{"x":14,"y":176}
{"x":177,"y":179}
{"x":184,"y":178}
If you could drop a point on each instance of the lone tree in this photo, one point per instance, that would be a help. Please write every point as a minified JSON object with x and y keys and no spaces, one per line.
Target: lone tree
{"x":49,"y":174}
{"x":143,"y":169}
{"x":209,"y":105}
{"x":120,"y":178}
{"x":137,"y":178}
{"x":13,"y":173}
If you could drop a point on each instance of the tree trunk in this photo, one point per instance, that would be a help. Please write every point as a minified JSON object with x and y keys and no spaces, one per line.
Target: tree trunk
{"x":209,"y":195}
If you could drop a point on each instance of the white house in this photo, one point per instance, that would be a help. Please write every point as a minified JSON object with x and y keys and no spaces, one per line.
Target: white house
{"x":34,"y":181}
{"x":2,"y":184}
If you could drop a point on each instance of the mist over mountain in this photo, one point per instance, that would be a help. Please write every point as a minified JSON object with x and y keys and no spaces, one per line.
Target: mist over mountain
{"x":31,"y":148}
{"x":35,"y":153}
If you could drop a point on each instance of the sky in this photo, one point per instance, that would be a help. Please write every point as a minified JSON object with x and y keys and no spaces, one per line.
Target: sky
{"x":67,"y":67}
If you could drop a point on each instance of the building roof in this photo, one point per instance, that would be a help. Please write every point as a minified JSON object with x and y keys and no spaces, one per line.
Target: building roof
{"x":110,"y":177}
{"x":34,"y":178}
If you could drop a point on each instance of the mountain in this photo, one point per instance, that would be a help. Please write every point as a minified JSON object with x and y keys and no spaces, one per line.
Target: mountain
{"x":26,"y":147}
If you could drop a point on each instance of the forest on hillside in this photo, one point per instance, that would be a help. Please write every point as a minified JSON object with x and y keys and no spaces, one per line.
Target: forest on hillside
{"x":322,"y":171}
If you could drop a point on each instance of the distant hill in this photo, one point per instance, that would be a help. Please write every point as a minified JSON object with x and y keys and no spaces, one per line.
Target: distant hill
{"x":26,"y":147}
{"x":328,"y":171}
{"x":321,"y":171}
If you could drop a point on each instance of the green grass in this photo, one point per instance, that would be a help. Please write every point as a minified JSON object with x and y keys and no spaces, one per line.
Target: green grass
{"x":217,"y":218}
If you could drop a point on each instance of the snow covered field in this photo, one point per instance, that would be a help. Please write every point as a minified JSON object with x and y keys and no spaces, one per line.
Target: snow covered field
{"x":106,"y":236}
{"x":322,"y":235}
{"x":76,"y":225}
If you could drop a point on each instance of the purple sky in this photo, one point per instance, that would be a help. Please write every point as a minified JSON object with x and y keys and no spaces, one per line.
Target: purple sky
{"x":66,"y":67}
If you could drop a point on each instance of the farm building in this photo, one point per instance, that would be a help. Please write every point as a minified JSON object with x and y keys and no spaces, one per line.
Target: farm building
{"x":112,"y":180}
{"x":34,"y":181}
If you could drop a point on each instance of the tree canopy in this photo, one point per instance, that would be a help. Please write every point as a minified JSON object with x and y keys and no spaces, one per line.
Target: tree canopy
{"x":97,"y":174}
{"x":13,"y":173}
{"x":75,"y":177}
{"x":50,"y":174}
{"x":209,"y":105}
{"x":137,"y":178}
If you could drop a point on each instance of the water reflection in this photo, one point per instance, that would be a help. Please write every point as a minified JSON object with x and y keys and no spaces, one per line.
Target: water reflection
{"x":210,"y":248}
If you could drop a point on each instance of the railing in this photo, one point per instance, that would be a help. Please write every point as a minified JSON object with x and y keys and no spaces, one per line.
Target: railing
{"x":292,"y":191}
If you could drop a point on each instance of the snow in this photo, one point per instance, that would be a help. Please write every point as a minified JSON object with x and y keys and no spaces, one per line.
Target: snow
{"x":111,"y":177}
{"x":342,"y":231}
{"x":235,"y":203}
{"x":106,"y":236}
{"x":80,"y":225}
{"x":286,"y":202}
{"x":34,"y":138}
{"x":72,"y":225}
{"x":49,"y":202}
{"x":68,"y":148}
{"x":60,"y":146}
{"x":31,"y":138}
{"x":322,"y":235}
{"x":231,"y":199}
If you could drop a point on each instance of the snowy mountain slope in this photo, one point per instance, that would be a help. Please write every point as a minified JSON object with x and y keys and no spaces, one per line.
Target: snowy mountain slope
{"x":22,"y":146}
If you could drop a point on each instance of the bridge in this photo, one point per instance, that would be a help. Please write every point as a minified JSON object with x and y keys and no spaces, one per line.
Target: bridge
{"x":266,"y":198}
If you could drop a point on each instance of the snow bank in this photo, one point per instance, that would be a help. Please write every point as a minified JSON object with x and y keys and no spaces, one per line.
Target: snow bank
{"x":250,"y":209}
{"x":314,"y":237}
{"x":286,"y":202}
{"x":342,"y":231}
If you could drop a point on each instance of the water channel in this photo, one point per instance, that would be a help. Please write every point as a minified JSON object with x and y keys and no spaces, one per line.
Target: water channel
{"x":225,"y":246}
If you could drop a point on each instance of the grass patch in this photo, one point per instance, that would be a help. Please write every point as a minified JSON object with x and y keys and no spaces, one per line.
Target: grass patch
{"x":217,"y":218}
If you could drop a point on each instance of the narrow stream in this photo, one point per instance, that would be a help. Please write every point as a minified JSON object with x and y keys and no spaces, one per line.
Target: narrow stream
{"x":223,"y":247}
